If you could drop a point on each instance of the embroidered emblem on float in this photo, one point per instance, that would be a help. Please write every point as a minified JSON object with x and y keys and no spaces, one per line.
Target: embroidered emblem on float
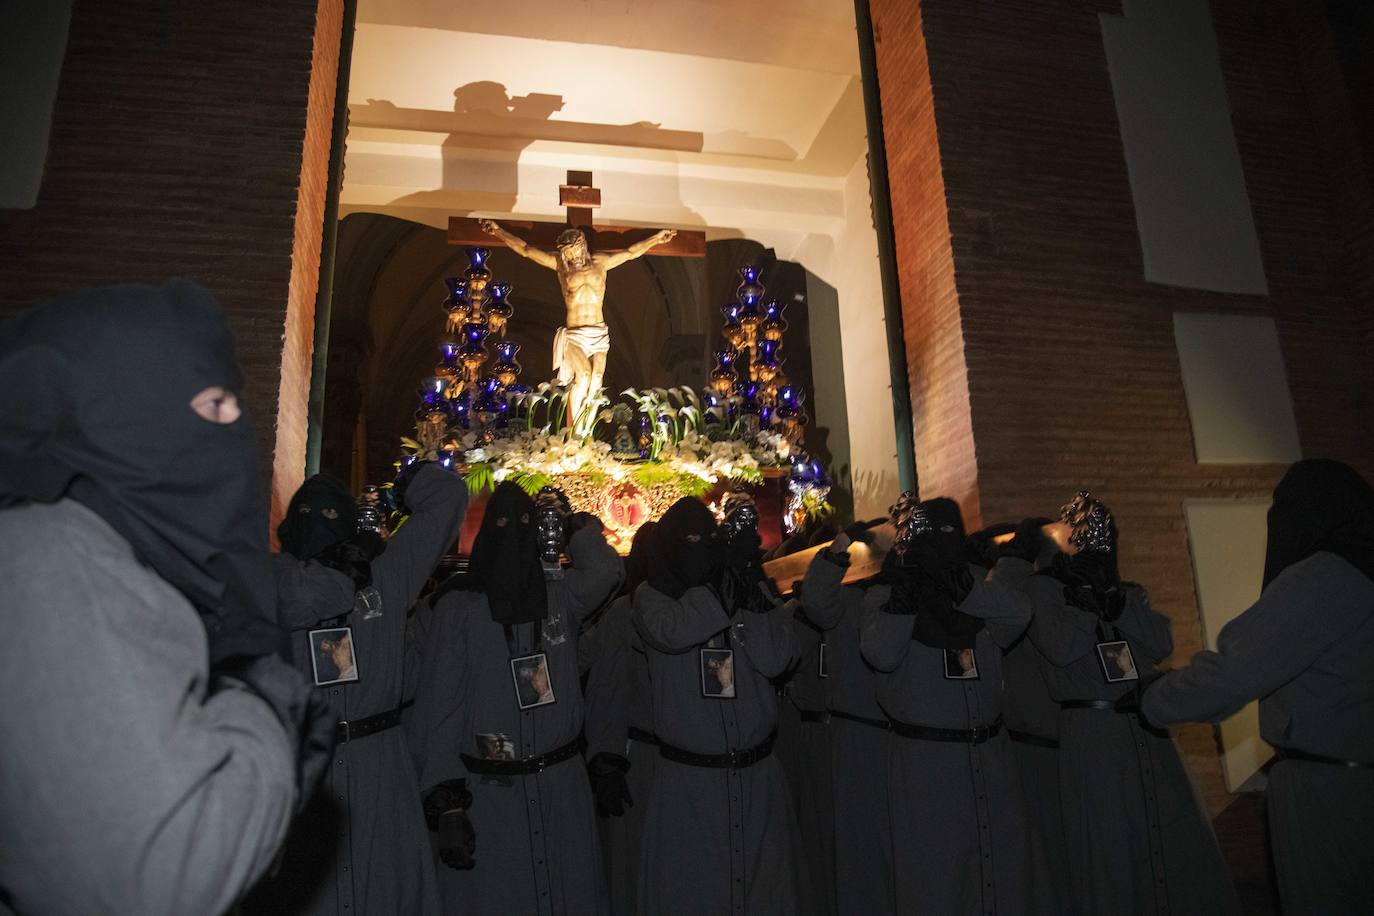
{"x":624,"y":507}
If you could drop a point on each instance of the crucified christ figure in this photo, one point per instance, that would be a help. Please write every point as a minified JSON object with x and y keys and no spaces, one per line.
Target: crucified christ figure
{"x":580,"y":346}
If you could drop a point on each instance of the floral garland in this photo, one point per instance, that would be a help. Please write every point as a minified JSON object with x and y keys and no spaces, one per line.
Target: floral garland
{"x":684,"y":462}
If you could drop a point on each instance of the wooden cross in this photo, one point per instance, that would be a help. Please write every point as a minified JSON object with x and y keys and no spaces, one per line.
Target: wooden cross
{"x":579,"y":198}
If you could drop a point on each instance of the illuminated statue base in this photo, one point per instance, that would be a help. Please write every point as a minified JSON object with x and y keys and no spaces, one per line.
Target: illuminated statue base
{"x":625,"y":504}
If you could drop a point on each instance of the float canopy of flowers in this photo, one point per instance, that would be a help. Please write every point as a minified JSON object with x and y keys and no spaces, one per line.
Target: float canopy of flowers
{"x":681,"y":448}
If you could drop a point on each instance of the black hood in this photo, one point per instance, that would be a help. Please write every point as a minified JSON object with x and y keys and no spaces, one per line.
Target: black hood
{"x":96,"y":408}
{"x":936,"y":566}
{"x":505,"y":564}
{"x":1320,"y":505}
{"x":321,"y":514}
{"x":687,"y":550}
{"x":640,"y":560}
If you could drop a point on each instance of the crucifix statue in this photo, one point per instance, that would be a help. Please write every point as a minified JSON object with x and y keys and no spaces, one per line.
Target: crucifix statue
{"x":581,"y":345}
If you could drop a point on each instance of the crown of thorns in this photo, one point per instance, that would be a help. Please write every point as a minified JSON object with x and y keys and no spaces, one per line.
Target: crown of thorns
{"x":1091,"y":521}
{"x":552,"y":498}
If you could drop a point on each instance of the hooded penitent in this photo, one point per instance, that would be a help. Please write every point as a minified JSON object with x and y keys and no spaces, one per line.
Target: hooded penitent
{"x":97,"y":408}
{"x":321,"y":514}
{"x":686,"y":548}
{"x":932,"y":568}
{"x":1320,"y":505}
{"x":505,"y":562}
{"x":1091,"y":580}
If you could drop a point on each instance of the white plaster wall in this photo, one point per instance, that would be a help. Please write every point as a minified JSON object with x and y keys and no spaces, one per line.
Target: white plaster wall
{"x":853,"y":271}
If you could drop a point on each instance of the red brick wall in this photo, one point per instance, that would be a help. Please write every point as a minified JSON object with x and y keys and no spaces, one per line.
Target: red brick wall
{"x":1072,"y":373}
{"x":178,"y":144}
{"x":942,"y":425}
{"x":298,"y":344}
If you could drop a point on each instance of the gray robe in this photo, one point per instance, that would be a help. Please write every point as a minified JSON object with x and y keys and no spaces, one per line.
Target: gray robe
{"x":716,"y":840}
{"x":1306,"y":651}
{"x":618,"y":698}
{"x":360,"y":848}
{"x":961,"y":842}
{"x":804,"y":749}
{"x":537,"y":849}
{"x":1139,"y":841}
{"x":125,"y":786}
{"x":863,"y":832}
{"x":1032,"y":716}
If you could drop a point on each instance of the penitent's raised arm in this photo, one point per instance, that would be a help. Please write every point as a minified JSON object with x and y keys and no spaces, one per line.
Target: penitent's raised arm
{"x":638,"y":249}
{"x":519,"y":245}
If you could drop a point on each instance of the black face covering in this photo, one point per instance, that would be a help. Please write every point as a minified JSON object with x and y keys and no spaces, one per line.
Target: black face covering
{"x":640,"y":560}
{"x":321,"y":514}
{"x":1091,"y":580}
{"x":687,"y":550}
{"x":937,"y":569}
{"x":96,"y":407}
{"x":1320,"y":505}
{"x":505,"y":560}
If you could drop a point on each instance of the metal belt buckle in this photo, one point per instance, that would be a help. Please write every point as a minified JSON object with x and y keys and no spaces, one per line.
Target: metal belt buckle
{"x":541,"y":763}
{"x":347,"y":731}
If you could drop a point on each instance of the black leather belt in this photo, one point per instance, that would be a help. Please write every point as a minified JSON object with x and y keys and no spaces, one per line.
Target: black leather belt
{"x":1288,"y":753}
{"x":1032,"y":739}
{"x":1109,"y":705}
{"x":1127,"y":706}
{"x":814,"y":715}
{"x":643,"y":737}
{"x":525,"y":766}
{"x":735,"y":760}
{"x":862,"y":720}
{"x":353,"y":729}
{"x":954,"y":735}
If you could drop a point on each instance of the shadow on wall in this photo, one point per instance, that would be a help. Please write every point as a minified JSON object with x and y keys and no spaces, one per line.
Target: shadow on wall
{"x":874,"y":492}
{"x":488,"y":118}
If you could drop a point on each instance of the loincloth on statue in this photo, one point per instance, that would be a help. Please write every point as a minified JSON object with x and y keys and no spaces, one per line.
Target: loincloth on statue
{"x":589,"y":339}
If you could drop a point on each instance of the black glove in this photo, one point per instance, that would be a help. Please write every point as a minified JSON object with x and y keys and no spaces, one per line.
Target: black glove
{"x":402,"y":483}
{"x":579,"y":520}
{"x":352,"y":558}
{"x":902,"y":601}
{"x":449,"y":795}
{"x":902,"y":580}
{"x":612,"y":792}
{"x":1028,"y":540}
{"x":306,"y":716}
{"x":742,"y":551}
{"x":445,"y":808}
{"x":457,"y":840}
{"x":862,"y":532}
